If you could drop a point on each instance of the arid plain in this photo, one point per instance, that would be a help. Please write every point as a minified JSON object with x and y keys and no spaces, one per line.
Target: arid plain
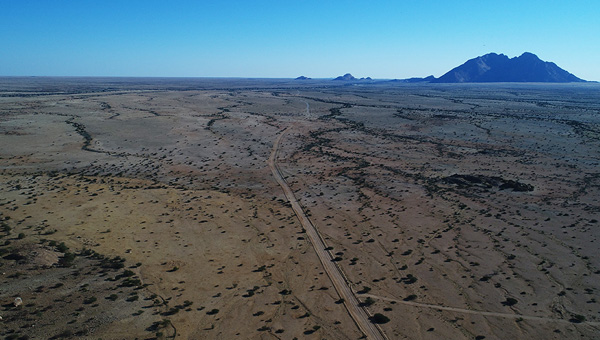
{"x":148,"y":208}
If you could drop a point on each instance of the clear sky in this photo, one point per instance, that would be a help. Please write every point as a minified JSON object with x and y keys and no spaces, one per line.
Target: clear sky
{"x":320,"y":39}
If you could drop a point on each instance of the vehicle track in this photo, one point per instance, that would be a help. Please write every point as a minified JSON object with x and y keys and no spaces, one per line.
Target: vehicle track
{"x":479,"y":312}
{"x":359,"y":314}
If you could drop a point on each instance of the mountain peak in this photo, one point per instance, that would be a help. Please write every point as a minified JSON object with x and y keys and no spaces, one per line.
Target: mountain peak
{"x":494,"y":67}
{"x":528,"y":55}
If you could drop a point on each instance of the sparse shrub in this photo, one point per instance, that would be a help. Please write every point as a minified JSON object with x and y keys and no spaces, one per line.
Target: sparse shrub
{"x":89,"y":300}
{"x":86,"y":252}
{"x":130,"y":282}
{"x":6,"y":228}
{"x":410,"y":297}
{"x":127,"y":273}
{"x":212,"y":312}
{"x":368,"y":302}
{"x":115,"y":263}
{"x":379,"y":318}
{"x":409,"y":279}
{"x":364,"y":290}
{"x":62,"y":247}
{"x":66,"y":260}
{"x":172,"y":311}
{"x":510,"y":302}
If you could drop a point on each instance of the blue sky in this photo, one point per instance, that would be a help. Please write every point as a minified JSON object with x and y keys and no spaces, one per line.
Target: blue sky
{"x":380,"y":39}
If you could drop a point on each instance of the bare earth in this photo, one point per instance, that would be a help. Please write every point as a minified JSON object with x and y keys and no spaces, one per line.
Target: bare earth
{"x":277,"y":209}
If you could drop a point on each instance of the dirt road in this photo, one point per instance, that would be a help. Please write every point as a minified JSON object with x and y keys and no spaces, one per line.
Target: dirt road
{"x":359,"y":314}
{"x":479,"y":312}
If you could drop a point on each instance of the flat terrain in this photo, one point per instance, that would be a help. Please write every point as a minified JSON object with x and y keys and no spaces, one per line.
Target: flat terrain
{"x":182,"y":208}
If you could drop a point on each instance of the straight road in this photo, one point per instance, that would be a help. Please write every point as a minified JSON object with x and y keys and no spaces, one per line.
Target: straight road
{"x":359,"y":314}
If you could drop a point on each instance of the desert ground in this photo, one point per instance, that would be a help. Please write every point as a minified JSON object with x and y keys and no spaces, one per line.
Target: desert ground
{"x":279,"y":209}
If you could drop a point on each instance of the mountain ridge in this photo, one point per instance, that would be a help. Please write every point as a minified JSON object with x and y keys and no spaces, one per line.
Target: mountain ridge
{"x":492,"y":68}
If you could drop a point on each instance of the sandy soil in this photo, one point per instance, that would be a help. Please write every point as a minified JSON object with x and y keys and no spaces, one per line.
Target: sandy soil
{"x":458,"y":212}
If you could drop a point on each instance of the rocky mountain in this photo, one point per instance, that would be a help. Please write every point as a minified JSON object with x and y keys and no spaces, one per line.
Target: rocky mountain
{"x":494,"y":67}
{"x":346,"y":77}
{"x":349,"y":77}
{"x":303,"y":78}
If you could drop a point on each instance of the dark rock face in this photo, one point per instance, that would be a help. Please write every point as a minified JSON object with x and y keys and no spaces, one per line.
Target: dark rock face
{"x":494,"y":67}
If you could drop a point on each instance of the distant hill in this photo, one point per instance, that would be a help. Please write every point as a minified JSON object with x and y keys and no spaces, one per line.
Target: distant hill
{"x":349,"y":77}
{"x":414,"y":80}
{"x":494,"y":67}
{"x":303,"y":78}
{"x":346,"y":77}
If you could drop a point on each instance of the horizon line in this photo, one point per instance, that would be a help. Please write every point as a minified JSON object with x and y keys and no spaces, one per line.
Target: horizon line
{"x":364,"y":79}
